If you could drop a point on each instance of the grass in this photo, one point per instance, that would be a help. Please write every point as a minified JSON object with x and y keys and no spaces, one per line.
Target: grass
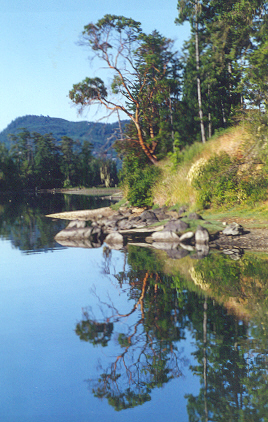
{"x":122,"y":203}
{"x":173,"y":188}
{"x":212,"y":227}
{"x":256,"y":217}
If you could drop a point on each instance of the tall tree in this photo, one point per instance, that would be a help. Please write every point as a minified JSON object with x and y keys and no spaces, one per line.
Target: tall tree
{"x":140,"y":67}
{"x":68,"y":159}
{"x":22,"y":151}
{"x":230,"y":37}
{"x":46,"y":162}
{"x":190,"y":11}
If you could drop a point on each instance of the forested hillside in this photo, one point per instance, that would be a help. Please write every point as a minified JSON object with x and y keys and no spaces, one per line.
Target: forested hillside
{"x":101,"y":135}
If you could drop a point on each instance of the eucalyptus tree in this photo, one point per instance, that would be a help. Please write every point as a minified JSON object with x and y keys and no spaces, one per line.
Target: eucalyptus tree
{"x":140,"y":65}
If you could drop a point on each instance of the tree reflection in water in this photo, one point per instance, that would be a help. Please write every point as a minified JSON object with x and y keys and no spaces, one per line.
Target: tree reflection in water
{"x":149,"y":355}
{"x":23,"y":221}
{"x":231,"y":352}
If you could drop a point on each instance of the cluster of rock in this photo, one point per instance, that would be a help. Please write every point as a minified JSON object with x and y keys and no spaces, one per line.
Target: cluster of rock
{"x":142,"y":227}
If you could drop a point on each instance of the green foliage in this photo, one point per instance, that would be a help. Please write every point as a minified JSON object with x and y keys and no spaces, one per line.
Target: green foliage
{"x":139,"y":179}
{"x":90,"y":89}
{"x":143,"y":258}
{"x":38,"y":161}
{"x":219,"y":183}
{"x":148,"y":81}
{"x":97,"y":333}
{"x":244,"y":278}
{"x":99,"y":134}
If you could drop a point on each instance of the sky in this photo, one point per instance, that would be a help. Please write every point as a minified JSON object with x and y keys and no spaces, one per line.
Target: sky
{"x":41,"y":58}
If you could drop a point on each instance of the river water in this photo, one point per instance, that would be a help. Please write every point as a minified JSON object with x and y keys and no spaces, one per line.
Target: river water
{"x":130,"y":335}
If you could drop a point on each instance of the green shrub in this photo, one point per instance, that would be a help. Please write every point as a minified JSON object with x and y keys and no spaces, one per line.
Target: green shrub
{"x":219,"y":183}
{"x":139,"y":178}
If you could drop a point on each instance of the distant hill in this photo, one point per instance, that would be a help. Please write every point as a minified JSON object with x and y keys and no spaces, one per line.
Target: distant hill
{"x":101,"y":135}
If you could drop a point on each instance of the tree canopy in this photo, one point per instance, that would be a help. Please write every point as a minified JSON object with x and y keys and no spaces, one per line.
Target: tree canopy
{"x":143,"y":69}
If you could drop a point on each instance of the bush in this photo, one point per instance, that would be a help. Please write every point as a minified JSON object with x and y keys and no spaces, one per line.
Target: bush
{"x":219,"y":183}
{"x":139,"y":179}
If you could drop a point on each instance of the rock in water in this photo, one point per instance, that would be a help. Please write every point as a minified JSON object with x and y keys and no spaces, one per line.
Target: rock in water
{"x":201,"y":235}
{"x":76,"y":224}
{"x":186,"y":237}
{"x":115,"y":240}
{"x":165,"y":236}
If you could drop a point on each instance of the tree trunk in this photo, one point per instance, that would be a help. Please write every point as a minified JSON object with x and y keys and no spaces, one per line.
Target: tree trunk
{"x":209,"y":115}
{"x":197,"y":56}
{"x":205,"y":358}
{"x":145,"y":149}
{"x":171,"y":121}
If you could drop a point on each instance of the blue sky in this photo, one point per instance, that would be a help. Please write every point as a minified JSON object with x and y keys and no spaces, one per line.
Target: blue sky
{"x":40,"y":58}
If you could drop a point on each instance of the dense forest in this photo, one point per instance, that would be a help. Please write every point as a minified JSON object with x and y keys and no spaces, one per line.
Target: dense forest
{"x":36,"y":161}
{"x":45,"y":152}
{"x":101,"y":135}
{"x":170,"y":100}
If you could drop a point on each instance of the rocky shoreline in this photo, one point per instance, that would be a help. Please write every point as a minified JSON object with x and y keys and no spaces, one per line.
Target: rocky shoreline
{"x":159,"y":229}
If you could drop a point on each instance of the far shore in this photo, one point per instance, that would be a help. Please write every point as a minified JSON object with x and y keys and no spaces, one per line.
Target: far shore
{"x":102,"y":191}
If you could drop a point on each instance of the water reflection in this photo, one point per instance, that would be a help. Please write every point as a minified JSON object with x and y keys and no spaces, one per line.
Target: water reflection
{"x":23,"y":221}
{"x":166,"y":304}
{"x":162,"y":307}
{"x":148,"y":352}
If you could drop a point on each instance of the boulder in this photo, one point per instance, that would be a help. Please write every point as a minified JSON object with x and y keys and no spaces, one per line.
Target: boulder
{"x":177,"y":253}
{"x":124,"y":224}
{"x":177,"y":226}
{"x":161,"y":214}
{"x":195,"y":216}
{"x":77,"y":224}
{"x":79,"y":243}
{"x":114,"y":240}
{"x":165,"y":236}
{"x":96,"y":232}
{"x":187,"y":247}
{"x":234,"y":253}
{"x":201,"y":236}
{"x":164,"y":246}
{"x":74,"y":233}
{"x":149,"y":217}
{"x":202,"y":250}
{"x":186,"y":237}
{"x":233,"y":229}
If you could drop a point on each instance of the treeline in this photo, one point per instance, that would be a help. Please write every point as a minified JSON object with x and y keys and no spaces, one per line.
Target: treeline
{"x":171,"y":100}
{"x":39,"y":161}
{"x":101,"y":135}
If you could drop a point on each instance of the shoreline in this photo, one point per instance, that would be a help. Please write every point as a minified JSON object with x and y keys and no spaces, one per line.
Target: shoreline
{"x":255,"y":239}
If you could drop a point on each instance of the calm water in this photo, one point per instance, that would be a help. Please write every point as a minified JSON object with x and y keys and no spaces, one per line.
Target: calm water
{"x":97,"y":335}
